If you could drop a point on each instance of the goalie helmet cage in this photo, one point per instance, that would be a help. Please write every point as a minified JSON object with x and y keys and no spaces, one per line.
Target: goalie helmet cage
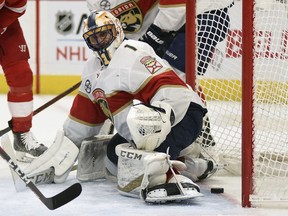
{"x":246,"y":90}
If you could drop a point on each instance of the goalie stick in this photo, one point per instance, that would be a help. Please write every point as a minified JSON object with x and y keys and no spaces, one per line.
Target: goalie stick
{"x":44,"y":106}
{"x":51,"y":203}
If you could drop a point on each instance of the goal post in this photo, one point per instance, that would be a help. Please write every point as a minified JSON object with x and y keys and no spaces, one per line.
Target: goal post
{"x":247,"y":101}
{"x":240,"y":59}
{"x":190,"y":43}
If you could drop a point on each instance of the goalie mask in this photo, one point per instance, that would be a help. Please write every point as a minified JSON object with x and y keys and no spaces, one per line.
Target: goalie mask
{"x":103,"y":34}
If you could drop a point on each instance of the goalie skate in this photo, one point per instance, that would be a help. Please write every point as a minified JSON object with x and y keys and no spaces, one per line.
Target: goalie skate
{"x":175,"y":188}
{"x":170,"y":192}
{"x":149,"y":173}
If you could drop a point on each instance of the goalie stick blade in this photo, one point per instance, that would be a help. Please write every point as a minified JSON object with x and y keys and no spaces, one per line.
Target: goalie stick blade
{"x":60,"y":199}
{"x":7,"y":146}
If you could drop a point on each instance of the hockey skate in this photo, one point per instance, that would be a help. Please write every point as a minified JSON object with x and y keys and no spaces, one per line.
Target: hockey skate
{"x":157,"y":187}
{"x":27,"y":147}
{"x":177,"y":189}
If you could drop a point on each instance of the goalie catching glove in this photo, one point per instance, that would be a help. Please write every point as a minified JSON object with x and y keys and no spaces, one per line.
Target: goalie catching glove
{"x":150,"y":125}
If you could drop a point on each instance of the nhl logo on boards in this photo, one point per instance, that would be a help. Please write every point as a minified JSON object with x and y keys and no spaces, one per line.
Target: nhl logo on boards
{"x":64,"y":22}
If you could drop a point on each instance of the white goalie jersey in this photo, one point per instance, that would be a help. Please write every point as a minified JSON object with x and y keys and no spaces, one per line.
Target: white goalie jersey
{"x":135,"y":72}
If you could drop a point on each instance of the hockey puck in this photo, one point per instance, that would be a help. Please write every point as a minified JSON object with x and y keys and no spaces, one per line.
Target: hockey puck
{"x":217,"y":190}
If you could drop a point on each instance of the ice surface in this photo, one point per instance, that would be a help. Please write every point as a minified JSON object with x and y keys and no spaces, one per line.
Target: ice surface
{"x":101,"y":197}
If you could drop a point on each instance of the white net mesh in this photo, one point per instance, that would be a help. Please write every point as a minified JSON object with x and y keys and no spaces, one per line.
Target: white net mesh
{"x":221,"y":84}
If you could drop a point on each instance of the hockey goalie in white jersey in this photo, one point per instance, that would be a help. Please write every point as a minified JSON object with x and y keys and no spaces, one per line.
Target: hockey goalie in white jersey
{"x":156,"y":115}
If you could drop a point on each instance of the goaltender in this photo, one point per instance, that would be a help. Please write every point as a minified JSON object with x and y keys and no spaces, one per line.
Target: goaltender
{"x":156,"y":115}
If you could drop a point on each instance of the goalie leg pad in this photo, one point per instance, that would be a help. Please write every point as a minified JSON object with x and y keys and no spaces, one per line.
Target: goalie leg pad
{"x":198,"y":168}
{"x":194,"y":150}
{"x":91,"y":164}
{"x":61,"y":155}
{"x":145,"y":173}
{"x":131,"y":170}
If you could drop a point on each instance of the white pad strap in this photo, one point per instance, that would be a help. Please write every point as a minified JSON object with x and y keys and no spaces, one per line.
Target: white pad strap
{"x":156,"y":167}
{"x":61,"y":155}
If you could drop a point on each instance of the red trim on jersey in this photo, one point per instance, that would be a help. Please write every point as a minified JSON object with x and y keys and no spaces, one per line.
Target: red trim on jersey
{"x":171,"y":2}
{"x":84,"y":110}
{"x":168,"y":78}
{"x":119,"y":101}
{"x":146,"y":5}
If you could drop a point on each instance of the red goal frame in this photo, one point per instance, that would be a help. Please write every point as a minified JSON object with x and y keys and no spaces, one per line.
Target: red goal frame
{"x":247,"y":85}
{"x":247,"y":101}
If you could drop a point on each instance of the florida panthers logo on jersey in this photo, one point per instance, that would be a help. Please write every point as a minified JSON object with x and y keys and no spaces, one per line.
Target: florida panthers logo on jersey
{"x":100,"y":98}
{"x":129,"y":15}
{"x":151,"y":64}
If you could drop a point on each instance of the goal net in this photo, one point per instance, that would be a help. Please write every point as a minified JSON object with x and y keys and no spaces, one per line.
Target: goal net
{"x":242,"y":69}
